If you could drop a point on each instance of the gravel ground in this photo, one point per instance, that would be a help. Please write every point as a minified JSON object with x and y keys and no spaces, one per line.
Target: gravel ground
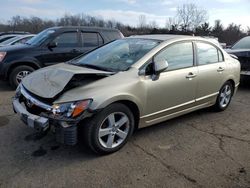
{"x":201,"y":149}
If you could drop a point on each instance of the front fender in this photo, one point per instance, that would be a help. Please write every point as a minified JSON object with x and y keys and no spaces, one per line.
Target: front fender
{"x":96,"y":105}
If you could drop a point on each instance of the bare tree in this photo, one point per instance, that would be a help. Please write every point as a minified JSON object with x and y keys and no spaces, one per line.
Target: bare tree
{"x":142,"y":21}
{"x":110,"y":23}
{"x":228,"y":34}
{"x":172,"y":22}
{"x":15,"y":22}
{"x":191,"y":16}
{"x":153,"y":25}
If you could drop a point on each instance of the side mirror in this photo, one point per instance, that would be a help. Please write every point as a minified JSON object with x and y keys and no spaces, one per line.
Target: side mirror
{"x":52,"y":44}
{"x":160,"y":65}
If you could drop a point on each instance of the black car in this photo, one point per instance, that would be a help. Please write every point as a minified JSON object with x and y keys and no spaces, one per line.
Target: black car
{"x":53,"y":45}
{"x":241,"y":49}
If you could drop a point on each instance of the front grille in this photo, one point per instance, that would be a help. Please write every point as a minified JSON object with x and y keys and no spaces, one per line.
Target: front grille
{"x":32,"y":102}
{"x":32,"y":108}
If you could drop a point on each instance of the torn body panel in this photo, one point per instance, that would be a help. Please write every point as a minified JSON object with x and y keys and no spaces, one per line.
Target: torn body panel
{"x":51,"y":81}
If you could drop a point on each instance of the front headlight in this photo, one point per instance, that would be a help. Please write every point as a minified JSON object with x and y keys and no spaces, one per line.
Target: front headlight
{"x":72,"y":109}
{"x":2,"y":56}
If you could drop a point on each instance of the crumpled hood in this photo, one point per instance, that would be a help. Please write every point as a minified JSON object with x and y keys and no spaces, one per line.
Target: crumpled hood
{"x":50,"y":81}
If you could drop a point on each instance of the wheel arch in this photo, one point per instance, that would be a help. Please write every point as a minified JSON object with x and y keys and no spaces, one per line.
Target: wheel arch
{"x":34,"y":65}
{"x":129,"y":101}
{"x":232,"y":82}
{"x":133,"y":108}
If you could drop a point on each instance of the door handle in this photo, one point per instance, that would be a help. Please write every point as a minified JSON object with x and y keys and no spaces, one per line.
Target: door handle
{"x":191,"y":75}
{"x":220,"y":69}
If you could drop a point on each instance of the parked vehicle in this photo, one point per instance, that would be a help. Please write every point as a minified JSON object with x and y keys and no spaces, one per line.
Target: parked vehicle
{"x":16,"y":40}
{"x":127,"y":84}
{"x":7,"y":37}
{"x":14,"y":32}
{"x":51,"y":46}
{"x":241,"y":49}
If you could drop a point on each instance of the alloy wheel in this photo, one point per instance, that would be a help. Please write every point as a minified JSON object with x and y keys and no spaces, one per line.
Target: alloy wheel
{"x":21,"y":75}
{"x":225,"y":96}
{"x":114,"y":130}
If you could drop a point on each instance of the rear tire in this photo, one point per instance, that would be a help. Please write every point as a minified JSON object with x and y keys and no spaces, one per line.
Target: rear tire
{"x":224,"y":97}
{"x":18,"y":73}
{"x":109,"y":130}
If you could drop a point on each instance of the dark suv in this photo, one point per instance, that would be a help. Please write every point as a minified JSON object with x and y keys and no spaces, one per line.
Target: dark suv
{"x":53,"y":45}
{"x":242,"y":50}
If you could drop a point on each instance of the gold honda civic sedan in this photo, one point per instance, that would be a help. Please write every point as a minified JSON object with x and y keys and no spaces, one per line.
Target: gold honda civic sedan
{"x":106,"y":94}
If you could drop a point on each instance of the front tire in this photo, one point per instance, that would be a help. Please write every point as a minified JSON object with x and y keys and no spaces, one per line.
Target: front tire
{"x":224,"y":97}
{"x":18,"y":74}
{"x":109,"y":130}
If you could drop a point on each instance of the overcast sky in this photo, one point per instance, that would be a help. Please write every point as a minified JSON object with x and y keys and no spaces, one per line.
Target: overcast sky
{"x":127,"y":11}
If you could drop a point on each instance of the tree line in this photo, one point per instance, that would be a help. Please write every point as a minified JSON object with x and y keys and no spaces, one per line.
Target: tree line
{"x":189,"y":20}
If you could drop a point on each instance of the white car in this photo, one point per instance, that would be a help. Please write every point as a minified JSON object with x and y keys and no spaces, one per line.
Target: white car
{"x":20,"y":39}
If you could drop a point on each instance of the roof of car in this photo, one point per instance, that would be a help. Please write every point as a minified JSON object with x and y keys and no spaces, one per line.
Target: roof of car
{"x":161,"y":37}
{"x":84,"y":27}
{"x":9,"y":35}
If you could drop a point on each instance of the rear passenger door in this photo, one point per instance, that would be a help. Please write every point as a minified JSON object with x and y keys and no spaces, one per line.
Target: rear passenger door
{"x":90,"y":41}
{"x":211,"y":67}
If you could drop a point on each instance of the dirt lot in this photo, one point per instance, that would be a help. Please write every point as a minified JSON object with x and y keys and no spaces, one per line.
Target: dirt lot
{"x":201,"y":149}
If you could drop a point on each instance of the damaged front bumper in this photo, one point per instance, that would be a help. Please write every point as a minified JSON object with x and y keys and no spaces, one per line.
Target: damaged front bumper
{"x":37,"y":122}
{"x":66,"y":130}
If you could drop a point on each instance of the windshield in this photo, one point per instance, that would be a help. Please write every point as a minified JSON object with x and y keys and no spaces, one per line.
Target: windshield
{"x":118,"y":55}
{"x":243,"y":43}
{"x":42,"y":36}
{"x":9,"y":41}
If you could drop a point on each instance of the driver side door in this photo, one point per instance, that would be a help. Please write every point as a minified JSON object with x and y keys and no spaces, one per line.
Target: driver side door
{"x":68,"y":47}
{"x":175,"y":88}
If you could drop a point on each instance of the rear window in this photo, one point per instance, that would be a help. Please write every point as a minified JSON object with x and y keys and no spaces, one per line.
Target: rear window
{"x":244,"y":43}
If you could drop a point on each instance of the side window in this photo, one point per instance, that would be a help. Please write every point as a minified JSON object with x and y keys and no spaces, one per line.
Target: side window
{"x":67,"y":40}
{"x":91,"y":39}
{"x":208,"y":54}
{"x":22,"y":41}
{"x":179,"y":55}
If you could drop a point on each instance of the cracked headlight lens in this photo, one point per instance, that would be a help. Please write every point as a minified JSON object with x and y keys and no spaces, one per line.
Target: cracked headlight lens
{"x":72,"y":109}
